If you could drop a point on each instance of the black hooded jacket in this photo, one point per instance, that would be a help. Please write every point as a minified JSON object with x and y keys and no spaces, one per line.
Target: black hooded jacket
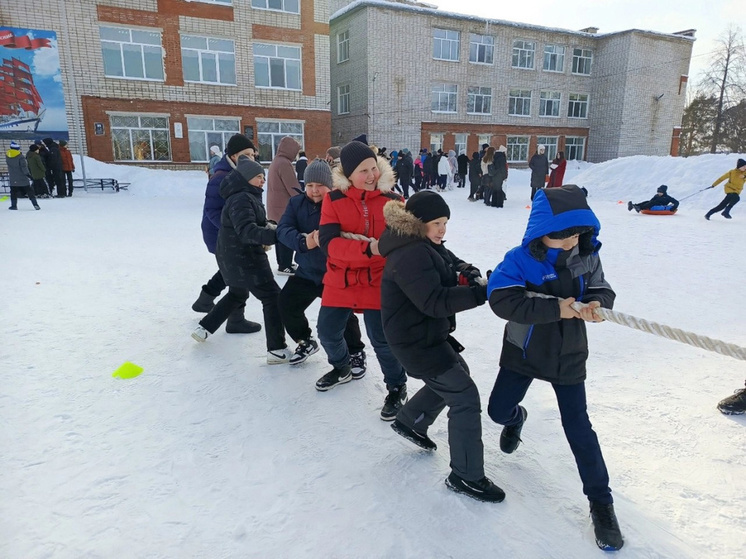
{"x":420,"y":294}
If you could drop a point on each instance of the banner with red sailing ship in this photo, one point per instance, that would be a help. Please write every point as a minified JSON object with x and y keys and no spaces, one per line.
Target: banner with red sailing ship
{"x":32,"y":100}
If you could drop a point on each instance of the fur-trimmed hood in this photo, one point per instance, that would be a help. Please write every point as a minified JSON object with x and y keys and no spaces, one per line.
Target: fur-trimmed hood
{"x":385,"y":182}
{"x":402,"y":228}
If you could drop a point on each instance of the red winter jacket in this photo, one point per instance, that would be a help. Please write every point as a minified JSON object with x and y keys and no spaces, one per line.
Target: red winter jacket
{"x":353,"y":274}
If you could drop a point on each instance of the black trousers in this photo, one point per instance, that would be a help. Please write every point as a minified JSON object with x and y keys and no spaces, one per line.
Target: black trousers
{"x":215,"y":285}
{"x":284,"y":256}
{"x":16,"y":190}
{"x":40,"y":187}
{"x":296,"y":296}
{"x":267,"y":293}
{"x":69,"y":176}
{"x":726,"y":205}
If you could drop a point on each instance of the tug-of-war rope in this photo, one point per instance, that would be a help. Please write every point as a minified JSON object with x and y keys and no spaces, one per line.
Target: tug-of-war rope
{"x":675,"y":334}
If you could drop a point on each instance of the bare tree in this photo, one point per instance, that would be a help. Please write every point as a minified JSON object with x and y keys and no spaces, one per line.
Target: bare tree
{"x":726,"y":78}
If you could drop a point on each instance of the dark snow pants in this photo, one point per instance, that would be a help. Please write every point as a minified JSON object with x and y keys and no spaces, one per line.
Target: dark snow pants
{"x":296,"y":296}
{"x":284,"y":256}
{"x":457,"y":390}
{"x":267,"y":293}
{"x":726,"y":205}
{"x":510,"y":389}
{"x":15,"y":191}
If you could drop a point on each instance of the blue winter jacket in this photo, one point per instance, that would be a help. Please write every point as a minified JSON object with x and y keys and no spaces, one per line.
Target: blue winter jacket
{"x":303,"y":215}
{"x":214,"y":203}
{"x":537,"y":342}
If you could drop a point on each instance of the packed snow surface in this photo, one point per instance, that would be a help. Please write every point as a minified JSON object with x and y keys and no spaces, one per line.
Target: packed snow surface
{"x":212,"y":453}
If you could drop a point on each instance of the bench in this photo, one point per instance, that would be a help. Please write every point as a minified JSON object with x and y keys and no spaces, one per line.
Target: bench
{"x":114,"y":184}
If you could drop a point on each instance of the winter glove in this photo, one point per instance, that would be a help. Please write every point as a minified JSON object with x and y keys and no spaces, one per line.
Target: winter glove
{"x":480,"y":293}
{"x":469,"y":275}
{"x":271,"y":225}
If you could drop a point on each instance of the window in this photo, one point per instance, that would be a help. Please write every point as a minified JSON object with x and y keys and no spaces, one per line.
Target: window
{"x":277,"y":66}
{"x":581,"y":61}
{"x":550,"y":142}
{"x":289,"y":6}
{"x":343,"y":47}
{"x":549,"y":103}
{"x":523,"y":54}
{"x":208,"y":60}
{"x":574,"y":147}
{"x":206,"y":131}
{"x":222,"y":2}
{"x":436,"y":142}
{"x":481,"y":49}
{"x":554,"y":58}
{"x":444,"y":98}
{"x":140,"y":138}
{"x":131,"y":53}
{"x":578,"y":106}
{"x":460,"y":143}
{"x":519,"y":102}
{"x":517,"y":149}
{"x":445,"y":44}
{"x":343,"y":99}
{"x":479,"y":100}
{"x":270,"y":132}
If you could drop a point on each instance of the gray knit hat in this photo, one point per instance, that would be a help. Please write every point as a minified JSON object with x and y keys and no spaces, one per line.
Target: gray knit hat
{"x":248,"y":167}
{"x":318,"y":172}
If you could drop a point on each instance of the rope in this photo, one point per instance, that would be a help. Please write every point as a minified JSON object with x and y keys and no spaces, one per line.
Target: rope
{"x":698,"y":191}
{"x":356,"y":236}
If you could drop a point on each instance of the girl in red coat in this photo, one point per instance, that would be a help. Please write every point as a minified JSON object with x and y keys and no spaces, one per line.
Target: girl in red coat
{"x":351,"y":223}
{"x":557,"y":167}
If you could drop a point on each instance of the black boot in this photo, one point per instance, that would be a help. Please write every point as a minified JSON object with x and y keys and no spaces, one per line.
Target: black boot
{"x":237,"y":324}
{"x":481,"y":490}
{"x":204,"y":303}
{"x":735,"y":404}
{"x":420,"y":439}
{"x":510,"y":438}
{"x":606,"y":528}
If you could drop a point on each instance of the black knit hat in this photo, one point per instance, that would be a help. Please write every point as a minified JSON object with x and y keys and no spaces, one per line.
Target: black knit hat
{"x":352,"y":155}
{"x":662,"y":188}
{"x":740,"y":163}
{"x":427,"y":205}
{"x":318,"y":172}
{"x":237,"y":143}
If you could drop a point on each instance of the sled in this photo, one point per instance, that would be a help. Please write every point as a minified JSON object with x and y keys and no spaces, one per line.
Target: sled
{"x":658,"y":210}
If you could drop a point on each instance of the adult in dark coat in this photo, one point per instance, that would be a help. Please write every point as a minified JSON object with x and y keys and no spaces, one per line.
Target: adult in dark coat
{"x":539,"y":165}
{"x":237,"y":146}
{"x":475,"y":175}
{"x":244,"y":232}
{"x":54,"y":167}
{"x":405,"y":170}
{"x":420,"y":294}
{"x":498,"y":172}
{"x":463,"y":168}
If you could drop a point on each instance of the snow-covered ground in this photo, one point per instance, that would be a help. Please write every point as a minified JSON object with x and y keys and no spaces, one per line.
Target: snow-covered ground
{"x":211,"y":453}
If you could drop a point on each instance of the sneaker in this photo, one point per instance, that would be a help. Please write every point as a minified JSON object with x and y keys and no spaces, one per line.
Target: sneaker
{"x":510,"y":438}
{"x":726,"y":215}
{"x":394,"y":401}
{"x":707,"y":216}
{"x":734,"y":405}
{"x":333,"y":378}
{"x":305,"y":349}
{"x":482,"y":490}
{"x":200,"y":334}
{"x":279,"y":356}
{"x":423,"y":441}
{"x":290,"y":271}
{"x":357,"y":364}
{"x":36,"y":207}
{"x":630,"y":205}
{"x":605,"y":526}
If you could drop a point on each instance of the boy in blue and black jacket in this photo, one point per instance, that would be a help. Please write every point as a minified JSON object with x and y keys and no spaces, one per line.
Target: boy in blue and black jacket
{"x":534,"y":288}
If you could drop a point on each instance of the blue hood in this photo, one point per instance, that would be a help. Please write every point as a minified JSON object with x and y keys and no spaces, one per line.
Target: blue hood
{"x":555,"y":209}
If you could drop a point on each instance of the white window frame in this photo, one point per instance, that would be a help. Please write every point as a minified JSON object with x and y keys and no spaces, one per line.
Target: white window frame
{"x":523,"y":54}
{"x":550,"y":143}
{"x":550,"y":103}
{"x":218,"y":2}
{"x":460,"y":143}
{"x":448,"y":42}
{"x":517,"y":146}
{"x":449,"y":91}
{"x":436,"y":142}
{"x":271,"y":139}
{"x":343,"y":99}
{"x":277,"y":56}
{"x":140,"y":127}
{"x":582,"y":61}
{"x":211,"y":134}
{"x":518,"y":103}
{"x":143,"y":47}
{"x":481,"y":96}
{"x":574,"y":146}
{"x":206,"y":53}
{"x":343,"y":46}
{"x":481,"y":46}
{"x":554,"y":55}
{"x":265,"y":5}
{"x":578,"y":103}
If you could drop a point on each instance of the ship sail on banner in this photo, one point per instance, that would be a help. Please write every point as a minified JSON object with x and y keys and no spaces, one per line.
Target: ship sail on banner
{"x":32,"y":100}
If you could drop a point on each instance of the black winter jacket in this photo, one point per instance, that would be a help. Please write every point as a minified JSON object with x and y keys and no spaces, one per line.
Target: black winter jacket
{"x":243,"y":234}
{"x":420,"y":295}
{"x":539,"y":165}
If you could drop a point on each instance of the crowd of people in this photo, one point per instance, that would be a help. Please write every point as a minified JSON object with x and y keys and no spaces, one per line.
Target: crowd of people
{"x":47,"y":165}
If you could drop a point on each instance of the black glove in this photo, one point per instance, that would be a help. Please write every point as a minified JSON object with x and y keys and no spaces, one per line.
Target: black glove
{"x":468,"y":275}
{"x":480,"y":293}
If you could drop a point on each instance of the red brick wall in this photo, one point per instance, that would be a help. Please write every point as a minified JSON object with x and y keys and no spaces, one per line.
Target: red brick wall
{"x":317,"y":123}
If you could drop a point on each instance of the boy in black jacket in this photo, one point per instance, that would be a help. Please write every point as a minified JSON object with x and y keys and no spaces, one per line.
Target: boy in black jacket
{"x":661,"y":198}
{"x":420,"y":294}
{"x":534,"y":289}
